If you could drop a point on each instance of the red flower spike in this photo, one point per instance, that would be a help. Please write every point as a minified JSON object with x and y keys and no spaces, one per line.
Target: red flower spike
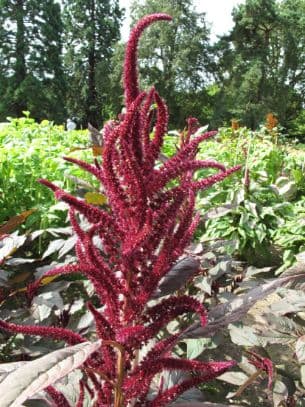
{"x":89,"y":271}
{"x":48,"y":184}
{"x":105,"y":332}
{"x":264,"y":364}
{"x":160,"y":315}
{"x":206,"y":370}
{"x":81,"y":396}
{"x":184,"y":239}
{"x":58,"y":334}
{"x":132,"y":244}
{"x":130,"y":76}
{"x":192,"y":127}
{"x":58,"y":398}
{"x":91,"y":212}
{"x":103,"y":327}
{"x":146,"y":120}
{"x":85,"y":166}
{"x":160,"y":350}
{"x":189,"y":149}
{"x":170,"y":172}
{"x":160,"y":130}
{"x":213,"y":179}
{"x":57,"y":271}
{"x":172,"y":307}
{"x":174,"y":392}
{"x":75,"y":225}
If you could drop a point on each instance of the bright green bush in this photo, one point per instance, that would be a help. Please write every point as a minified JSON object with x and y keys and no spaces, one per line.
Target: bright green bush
{"x":256,"y":219}
{"x":28,"y":151}
{"x":259,"y":217}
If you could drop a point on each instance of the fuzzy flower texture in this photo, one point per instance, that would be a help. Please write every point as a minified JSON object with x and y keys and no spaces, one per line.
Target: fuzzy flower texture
{"x":149,"y":221}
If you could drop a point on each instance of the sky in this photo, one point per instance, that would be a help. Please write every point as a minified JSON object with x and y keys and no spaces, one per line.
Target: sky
{"x":218,"y":14}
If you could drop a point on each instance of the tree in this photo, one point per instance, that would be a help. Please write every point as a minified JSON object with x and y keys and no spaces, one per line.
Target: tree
{"x":91,"y":29}
{"x":176,"y":57}
{"x":31,"y":73}
{"x":262,"y":62}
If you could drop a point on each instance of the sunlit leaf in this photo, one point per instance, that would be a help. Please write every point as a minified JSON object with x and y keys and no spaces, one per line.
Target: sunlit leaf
{"x":53,"y":247}
{"x":48,"y":280}
{"x":97,"y":151}
{"x":9,"y":244}
{"x":244,"y":335}
{"x":72,"y":149}
{"x":236,"y":378}
{"x":95,"y":198}
{"x":15,"y":221}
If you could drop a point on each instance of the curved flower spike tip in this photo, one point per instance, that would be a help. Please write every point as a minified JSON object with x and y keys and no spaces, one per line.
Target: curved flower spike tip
{"x":130,"y":76}
{"x":264,"y":364}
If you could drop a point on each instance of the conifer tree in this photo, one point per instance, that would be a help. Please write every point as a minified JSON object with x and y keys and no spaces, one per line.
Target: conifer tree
{"x":91,"y":29}
{"x":31,"y":73}
{"x":262,"y":62}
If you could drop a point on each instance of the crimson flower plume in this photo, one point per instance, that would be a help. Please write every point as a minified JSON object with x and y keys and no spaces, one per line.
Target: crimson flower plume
{"x":149,"y":221}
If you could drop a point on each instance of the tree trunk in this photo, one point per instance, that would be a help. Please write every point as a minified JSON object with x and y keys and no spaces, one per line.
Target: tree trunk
{"x":20,"y":66}
{"x":92,"y":108}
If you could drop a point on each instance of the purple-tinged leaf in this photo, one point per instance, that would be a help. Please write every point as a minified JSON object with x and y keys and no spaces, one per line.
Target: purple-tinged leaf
{"x":36,"y":233}
{"x":38,"y":402}
{"x":53,"y":247}
{"x":300,"y":349}
{"x":67,"y":247}
{"x":96,"y":137}
{"x":292,"y":301}
{"x":43,"y":304}
{"x":17,"y":261}
{"x":67,"y":231}
{"x":234,"y":310}
{"x":7,"y":368}
{"x":38,"y":374}
{"x":280,"y":393}
{"x":9,"y":244}
{"x":177,"y":277}
{"x":245,"y":335}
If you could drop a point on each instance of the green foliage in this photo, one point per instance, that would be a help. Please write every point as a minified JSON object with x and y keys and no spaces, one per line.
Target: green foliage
{"x":264,"y":219}
{"x":31,"y":72}
{"x":291,"y":234}
{"x":298,"y":126}
{"x":28,"y":151}
{"x":257,"y":219}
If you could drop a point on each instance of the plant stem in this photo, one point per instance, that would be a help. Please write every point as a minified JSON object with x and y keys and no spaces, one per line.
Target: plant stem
{"x":248,"y":382}
{"x":118,"y":393}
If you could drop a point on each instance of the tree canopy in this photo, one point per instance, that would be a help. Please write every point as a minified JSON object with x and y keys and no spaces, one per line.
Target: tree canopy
{"x":261,"y":61}
{"x":91,"y":29}
{"x":65,"y":60}
{"x":31,"y":72}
